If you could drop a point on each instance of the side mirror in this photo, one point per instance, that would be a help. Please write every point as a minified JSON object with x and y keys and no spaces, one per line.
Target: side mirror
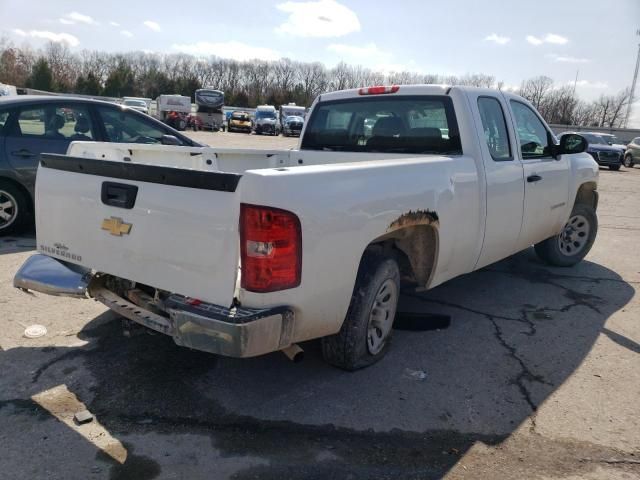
{"x":170,"y":140}
{"x":571,"y":143}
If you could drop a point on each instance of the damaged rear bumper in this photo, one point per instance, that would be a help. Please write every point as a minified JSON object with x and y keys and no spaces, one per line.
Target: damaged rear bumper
{"x":233,"y":332}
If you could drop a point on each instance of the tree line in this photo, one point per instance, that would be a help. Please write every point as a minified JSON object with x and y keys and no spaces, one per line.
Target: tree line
{"x":56,"y":68}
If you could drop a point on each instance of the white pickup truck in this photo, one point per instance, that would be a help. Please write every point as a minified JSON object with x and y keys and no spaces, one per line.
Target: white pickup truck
{"x":245,"y":252}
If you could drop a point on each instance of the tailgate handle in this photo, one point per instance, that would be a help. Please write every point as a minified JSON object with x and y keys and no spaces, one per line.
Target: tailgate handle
{"x":119,"y":195}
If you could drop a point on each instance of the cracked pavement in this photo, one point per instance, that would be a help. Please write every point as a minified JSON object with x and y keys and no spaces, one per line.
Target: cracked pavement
{"x":536,"y":377}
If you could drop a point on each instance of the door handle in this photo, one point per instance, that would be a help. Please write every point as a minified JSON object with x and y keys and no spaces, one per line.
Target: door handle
{"x":534,"y":178}
{"x":24,"y":153}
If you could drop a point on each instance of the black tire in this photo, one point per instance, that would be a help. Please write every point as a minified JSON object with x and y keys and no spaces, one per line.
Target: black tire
{"x":15,"y":202}
{"x":628,"y":160}
{"x":560,"y":250}
{"x":351,"y":348}
{"x":615,"y":168}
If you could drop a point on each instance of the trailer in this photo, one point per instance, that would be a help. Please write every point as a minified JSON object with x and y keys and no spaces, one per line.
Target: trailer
{"x":174,"y":110}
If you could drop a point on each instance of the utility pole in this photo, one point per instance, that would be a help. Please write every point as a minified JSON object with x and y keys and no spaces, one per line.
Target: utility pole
{"x":633,"y":86}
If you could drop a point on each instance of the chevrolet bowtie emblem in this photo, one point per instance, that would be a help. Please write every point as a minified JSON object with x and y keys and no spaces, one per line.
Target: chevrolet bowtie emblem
{"x":115,"y":226}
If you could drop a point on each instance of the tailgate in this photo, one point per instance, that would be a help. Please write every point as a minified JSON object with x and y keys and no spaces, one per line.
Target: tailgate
{"x":171,"y":228}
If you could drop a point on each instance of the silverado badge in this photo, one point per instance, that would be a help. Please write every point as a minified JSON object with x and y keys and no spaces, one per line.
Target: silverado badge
{"x":115,"y":226}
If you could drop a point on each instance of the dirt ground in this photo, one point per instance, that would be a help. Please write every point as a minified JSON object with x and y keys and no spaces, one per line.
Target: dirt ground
{"x":537,"y":377}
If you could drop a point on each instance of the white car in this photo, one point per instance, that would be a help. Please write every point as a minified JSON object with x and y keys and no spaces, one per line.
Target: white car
{"x":245,"y":252}
{"x":139,"y":105}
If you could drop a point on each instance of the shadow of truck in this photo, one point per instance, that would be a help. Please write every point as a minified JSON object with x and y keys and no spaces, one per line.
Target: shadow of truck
{"x":519,"y":330}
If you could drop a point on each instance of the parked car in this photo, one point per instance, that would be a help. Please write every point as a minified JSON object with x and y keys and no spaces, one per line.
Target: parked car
{"x":266,"y":120}
{"x":632,"y":155}
{"x":603,"y":153}
{"x":322,"y":234}
{"x":31,"y":125}
{"x":240,"y":121}
{"x":292,"y":126}
{"x":136,"y":104}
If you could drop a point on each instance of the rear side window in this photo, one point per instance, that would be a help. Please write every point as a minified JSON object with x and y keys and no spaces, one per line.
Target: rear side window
{"x":494,"y":126}
{"x":53,"y":122}
{"x":387,"y":124}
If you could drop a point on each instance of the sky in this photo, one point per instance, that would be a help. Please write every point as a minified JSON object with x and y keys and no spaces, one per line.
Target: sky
{"x":595,"y":39}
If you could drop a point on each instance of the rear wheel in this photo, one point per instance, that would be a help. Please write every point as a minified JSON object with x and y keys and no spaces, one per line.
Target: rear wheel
{"x":366,"y":332}
{"x":615,"y":168}
{"x":574,"y":241}
{"x":628,"y":160}
{"x":14,"y":209}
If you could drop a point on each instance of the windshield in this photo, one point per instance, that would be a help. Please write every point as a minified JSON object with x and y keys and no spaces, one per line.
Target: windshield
{"x":596,"y":139}
{"x":264,"y":114}
{"x":135,"y":103}
{"x":243,"y":117}
{"x":294,"y":118}
{"x":611,"y":139}
{"x":402,"y":124}
{"x":292,"y":112}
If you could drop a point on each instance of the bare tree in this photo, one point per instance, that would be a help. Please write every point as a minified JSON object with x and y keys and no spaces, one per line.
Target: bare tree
{"x":536,"y":89}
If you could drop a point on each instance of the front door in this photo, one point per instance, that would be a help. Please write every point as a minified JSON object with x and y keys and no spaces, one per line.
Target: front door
{"x":546,"y":179}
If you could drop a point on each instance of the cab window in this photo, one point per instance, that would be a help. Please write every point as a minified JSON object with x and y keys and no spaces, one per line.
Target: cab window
{"x":534,"y":138}
{"x":495,"y":128}
{"x":394,"y":124}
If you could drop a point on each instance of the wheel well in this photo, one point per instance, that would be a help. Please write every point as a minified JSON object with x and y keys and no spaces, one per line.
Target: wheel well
{"x":22,"y":188}
{"x":587,"y":194}
{"x":415,"y":248}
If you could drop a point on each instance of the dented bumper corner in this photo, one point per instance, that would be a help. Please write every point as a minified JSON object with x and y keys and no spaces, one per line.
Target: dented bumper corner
{"x":44,"y":274}
{"x":233,"y":332}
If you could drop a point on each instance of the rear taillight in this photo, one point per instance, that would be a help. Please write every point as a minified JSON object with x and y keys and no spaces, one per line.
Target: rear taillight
{"x":270,"y":249}
{"x":379,"y":90}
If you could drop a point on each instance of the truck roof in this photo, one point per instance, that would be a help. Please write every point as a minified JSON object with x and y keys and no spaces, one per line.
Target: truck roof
{"x":408,"y":90}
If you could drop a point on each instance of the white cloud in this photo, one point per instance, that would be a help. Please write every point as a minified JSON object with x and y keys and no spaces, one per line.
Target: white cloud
{"x":114,"y":24}
{"x":567,"y":59}
{"x":534,"y":40}
{"x":232,"y":49}
{"x":67,"y":38}
{"x":588,"y":84}
{"x":76,"y":17}
{"x":152,"y":25}
{"x":126,"y":33}
{"x":323,"y":18}
{"x":555,"y":39}
{"x":548,"y":38}
{"x":494,"y":37}
{"x":357,"y":51}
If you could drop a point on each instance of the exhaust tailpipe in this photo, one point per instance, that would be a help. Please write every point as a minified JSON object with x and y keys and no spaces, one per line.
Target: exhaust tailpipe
{"x":294,"y":353}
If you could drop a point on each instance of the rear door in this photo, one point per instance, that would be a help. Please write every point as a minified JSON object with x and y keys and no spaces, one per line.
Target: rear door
{"x":44,"y":128}
{"x":504,"y":177}
{"x":546,"y":179}
{"x":170,"y":228}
